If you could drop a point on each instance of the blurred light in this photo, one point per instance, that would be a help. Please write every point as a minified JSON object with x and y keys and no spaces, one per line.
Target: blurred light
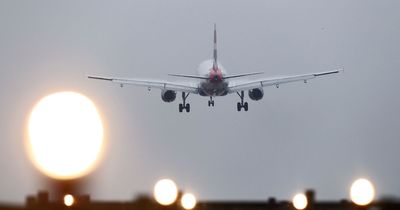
{"x":362,"y":192}
{"x":65,"y":135}
{"x":300,"y":201}
{"x":188,"y":201}
{"x":69,"y":200}
{"x":165,"y":192}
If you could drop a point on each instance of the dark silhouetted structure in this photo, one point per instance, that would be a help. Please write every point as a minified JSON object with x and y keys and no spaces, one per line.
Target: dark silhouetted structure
{"x":83,"y":202}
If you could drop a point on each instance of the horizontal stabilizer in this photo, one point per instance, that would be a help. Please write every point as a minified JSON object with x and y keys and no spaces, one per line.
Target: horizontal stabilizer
{"x":188,"y":76}
{"x":225,"y":77}
{"x":243,"y":75}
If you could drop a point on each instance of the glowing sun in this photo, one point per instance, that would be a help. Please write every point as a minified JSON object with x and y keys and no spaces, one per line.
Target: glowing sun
{"x":65,"y":135}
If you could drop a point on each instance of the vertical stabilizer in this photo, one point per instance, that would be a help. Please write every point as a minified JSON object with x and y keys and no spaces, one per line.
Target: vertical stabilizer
{"x":215,"y":63}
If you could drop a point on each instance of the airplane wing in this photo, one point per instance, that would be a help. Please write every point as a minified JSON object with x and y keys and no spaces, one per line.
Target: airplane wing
{"x":159,"y":84}
{"x":260,"y":83}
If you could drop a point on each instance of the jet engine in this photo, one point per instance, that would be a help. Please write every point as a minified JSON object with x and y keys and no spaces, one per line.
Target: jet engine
{"x":256,"y":94}
{"x":168,"y":95}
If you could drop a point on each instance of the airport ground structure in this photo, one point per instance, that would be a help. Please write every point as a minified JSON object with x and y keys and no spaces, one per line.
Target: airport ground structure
{"x":41,"y":202}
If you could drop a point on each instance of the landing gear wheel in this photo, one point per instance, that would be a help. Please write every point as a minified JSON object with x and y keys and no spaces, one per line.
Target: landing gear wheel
{"x":187,"y":107}
{"x":180,"y":107}
{"x":239,"y":106}
{"x":246,"y":106}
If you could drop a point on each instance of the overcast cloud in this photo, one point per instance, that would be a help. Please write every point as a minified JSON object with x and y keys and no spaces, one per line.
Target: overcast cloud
{"x":319,"y":135}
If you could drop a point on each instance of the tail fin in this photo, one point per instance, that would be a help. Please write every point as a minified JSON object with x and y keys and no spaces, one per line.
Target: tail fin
{"x":215,"y":63}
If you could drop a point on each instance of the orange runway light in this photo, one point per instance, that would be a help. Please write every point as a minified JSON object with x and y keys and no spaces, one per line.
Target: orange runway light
{"x":165,"y":192}
{"x":69,"y":200}
{"x":188,"y":201}
{"x":300,"y":201}
{"x":362,"y":192}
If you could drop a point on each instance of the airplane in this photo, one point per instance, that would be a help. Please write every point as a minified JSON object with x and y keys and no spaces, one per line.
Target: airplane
{"x":212,"y":80}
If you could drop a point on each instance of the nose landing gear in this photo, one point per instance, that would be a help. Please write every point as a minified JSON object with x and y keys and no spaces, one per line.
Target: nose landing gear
{"x":211,"y":102}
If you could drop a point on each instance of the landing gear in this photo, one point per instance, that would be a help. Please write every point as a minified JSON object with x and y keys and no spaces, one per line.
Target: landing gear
{"x":184,"y":105}
{"x":245,"y":105}
{"x":211,"y":102}
{"x":242,"y":104}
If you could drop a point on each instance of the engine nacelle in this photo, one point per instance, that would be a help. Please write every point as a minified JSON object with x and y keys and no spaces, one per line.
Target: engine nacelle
{"x":168,"y":95}
{"x":256,"y":94}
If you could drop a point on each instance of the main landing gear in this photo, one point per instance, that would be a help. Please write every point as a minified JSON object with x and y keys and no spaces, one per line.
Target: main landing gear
{"x":242,"y":104}
{"x":211,"y":101}
{"x":184,"y":105}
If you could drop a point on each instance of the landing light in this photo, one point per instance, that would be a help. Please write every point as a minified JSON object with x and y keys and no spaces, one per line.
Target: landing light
{"x":69,"y":200}
{"x":188,"y":201}
{"x":300,"y":201}
{"x":165,"y":192}
{"x":362,"y":192}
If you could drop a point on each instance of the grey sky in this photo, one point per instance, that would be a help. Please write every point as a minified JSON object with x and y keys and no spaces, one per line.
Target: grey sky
{"x":320,"y":135}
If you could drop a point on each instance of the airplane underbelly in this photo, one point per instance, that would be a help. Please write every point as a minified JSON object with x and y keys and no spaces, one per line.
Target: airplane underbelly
{"x":214,"y":89}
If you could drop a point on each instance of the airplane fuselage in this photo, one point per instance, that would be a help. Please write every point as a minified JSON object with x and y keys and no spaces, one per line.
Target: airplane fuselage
{"x":215,"y":84}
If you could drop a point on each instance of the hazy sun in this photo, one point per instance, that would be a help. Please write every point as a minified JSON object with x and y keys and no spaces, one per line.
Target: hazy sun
{"x":65,"y":135}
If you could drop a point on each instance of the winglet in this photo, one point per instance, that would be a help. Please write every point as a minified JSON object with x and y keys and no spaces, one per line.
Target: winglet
{"x":100,"y":78}
{"x":328,"y":72}
{"x":215,"y":63}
